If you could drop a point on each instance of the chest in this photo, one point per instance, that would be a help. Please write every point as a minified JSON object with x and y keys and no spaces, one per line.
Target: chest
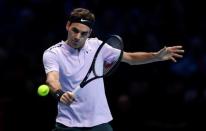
{"x":75,"y":63}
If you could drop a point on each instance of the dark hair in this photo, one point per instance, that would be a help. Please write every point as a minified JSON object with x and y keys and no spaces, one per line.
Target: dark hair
{"x":81,"y":15}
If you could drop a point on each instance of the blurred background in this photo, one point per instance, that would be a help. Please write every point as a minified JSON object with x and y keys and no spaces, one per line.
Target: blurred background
{"x":162,"y":95}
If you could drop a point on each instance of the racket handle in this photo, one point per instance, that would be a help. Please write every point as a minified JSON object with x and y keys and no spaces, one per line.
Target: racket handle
{"x":76,"y":90}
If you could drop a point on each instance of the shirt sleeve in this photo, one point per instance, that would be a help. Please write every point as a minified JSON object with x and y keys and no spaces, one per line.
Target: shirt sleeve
{"x":110,"y":54}
{"x":50,"y":61}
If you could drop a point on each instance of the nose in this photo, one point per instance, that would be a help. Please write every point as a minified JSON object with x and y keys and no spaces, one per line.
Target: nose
{"x":78,"y":36}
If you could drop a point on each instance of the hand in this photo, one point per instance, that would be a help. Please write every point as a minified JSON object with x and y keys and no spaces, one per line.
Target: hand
{"x":67,"y":98}
{"x":170,"y":53}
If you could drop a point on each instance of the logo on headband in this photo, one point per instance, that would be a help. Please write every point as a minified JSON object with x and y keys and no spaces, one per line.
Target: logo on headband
{"x":83,"y":20}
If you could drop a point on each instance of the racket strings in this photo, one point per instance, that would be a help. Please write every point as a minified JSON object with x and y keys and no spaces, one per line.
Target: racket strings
{"x":115,"y":42}
{"x":108,"y":66}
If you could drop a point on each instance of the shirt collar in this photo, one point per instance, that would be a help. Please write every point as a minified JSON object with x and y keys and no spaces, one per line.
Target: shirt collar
{"x":72,"y":50}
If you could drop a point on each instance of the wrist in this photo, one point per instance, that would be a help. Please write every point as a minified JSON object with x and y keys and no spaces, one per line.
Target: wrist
{"x":156,"y":56}
{"x":58,"y":94}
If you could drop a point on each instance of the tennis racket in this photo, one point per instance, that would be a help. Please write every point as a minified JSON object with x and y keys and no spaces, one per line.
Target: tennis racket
{"x":114,"y":41}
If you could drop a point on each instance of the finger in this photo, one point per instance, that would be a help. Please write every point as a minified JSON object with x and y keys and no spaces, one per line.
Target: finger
{"x":175,"y":50}
{"x":173,"y":59}
{"x":72,"y":96}
{"x":178,"y":55}
{"x":67,"y":99}
{"x":64,"y":100}
{"x":65,"y":96}
{"x":177,"y":47}
{"x":69,"y":96}
{"x":179,"y":51}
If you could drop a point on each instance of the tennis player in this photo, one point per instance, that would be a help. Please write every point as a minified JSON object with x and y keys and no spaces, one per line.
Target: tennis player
{"x":66,"y":64}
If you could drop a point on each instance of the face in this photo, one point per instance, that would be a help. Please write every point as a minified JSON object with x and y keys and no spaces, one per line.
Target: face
{"x":77,"y":34}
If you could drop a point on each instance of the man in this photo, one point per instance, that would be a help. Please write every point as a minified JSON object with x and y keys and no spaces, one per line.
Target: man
{"x":67,"y":63}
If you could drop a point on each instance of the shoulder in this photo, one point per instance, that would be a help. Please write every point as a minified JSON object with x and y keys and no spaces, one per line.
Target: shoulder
{"x":54,"y":48}
{"x":94,"y":40}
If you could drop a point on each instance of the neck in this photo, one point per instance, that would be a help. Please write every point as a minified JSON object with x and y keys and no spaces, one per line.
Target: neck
{"x":67,"y":42}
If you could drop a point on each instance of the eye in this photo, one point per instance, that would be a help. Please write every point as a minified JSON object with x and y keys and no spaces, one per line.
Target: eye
{"x":84,"y":33}
{"x":75,"y":30}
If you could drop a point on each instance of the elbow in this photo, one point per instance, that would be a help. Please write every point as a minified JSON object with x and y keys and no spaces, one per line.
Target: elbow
{"x":128,"y":58}
{"x":130,"y":63}
{"x":134,"y":62}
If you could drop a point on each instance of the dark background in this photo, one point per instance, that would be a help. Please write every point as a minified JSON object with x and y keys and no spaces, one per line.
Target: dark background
{"x":161,"y":95}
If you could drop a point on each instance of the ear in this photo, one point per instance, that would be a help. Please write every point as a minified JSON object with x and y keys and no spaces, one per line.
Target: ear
{"x":67,"y":25}
{"x":90,"y":32}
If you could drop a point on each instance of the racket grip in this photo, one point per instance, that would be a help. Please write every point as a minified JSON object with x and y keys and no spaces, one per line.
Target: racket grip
{"x":76,"y":90}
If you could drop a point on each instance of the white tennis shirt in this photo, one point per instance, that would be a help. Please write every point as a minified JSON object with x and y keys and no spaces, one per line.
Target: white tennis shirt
{"x":91,"y":107}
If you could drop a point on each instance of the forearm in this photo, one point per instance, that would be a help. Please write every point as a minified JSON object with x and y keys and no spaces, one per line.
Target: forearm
{"x":53,"y":81}
{"x":138,"y":58}
{"x":54,"y":85}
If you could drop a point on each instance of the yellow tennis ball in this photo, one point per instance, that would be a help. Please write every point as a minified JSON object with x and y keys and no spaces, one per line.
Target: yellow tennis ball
{"x":43,"y":90}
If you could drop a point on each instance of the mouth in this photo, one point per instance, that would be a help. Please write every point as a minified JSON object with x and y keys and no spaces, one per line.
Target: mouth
{"x":76,"y":44}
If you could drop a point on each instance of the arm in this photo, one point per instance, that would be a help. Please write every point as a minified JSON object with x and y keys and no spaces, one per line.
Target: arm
{"x":53,"y":81}
{"x":166,"y":53}
{"x":55,"y":86}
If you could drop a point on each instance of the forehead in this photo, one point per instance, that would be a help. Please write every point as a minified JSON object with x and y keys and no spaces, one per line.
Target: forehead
{"x":80,"y":27}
